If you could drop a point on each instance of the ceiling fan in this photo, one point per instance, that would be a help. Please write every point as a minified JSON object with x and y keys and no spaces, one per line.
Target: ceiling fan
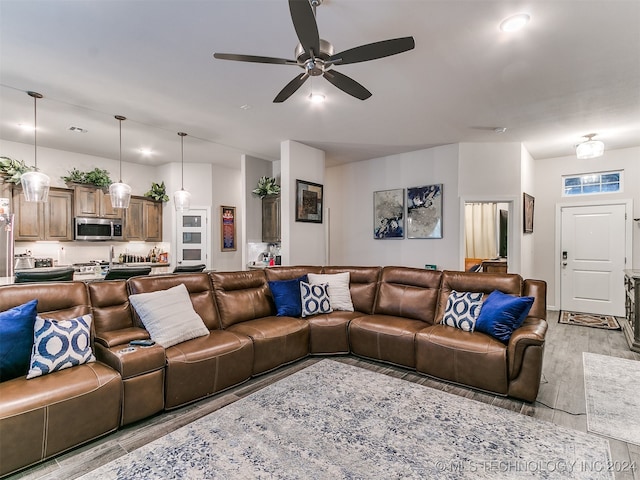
{"x":316,"y":56}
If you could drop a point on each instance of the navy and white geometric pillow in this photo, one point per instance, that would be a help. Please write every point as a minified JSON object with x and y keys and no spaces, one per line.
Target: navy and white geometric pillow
{"x":463,"y":309}
{"x":60,"y":344}
{"x":315,"y":299}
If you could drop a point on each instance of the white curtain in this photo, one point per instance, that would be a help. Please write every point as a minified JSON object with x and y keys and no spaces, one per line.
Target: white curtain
{"x":480,"y":230}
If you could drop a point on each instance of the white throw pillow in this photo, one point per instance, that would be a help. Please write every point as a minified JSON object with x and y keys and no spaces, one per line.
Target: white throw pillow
{"x":168,"y":315}
{"x":339,"y":292}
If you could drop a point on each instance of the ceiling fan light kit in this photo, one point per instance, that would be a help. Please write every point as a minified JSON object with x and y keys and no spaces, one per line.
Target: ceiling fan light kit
{"x":317,"y":58}
{"x":590,"y":148}
{"x":35,"y":185}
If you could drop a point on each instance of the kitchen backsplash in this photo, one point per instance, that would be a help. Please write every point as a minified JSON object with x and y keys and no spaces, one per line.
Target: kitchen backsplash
{"x":69,"y":253}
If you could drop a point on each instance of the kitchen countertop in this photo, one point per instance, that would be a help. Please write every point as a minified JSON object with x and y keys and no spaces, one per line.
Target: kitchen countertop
{"x":157,"y":269}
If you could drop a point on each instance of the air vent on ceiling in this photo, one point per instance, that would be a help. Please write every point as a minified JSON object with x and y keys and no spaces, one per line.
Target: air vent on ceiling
{"x":77,"y":129}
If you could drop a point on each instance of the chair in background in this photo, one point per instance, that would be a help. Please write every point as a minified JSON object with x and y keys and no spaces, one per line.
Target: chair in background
{"x":53,"y":275}
{"x":126,"y":272}
{"x":189,"y":268}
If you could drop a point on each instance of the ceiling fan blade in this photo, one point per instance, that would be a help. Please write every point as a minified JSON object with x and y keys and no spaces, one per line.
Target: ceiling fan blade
{"x":374,"y":50}
{"x":291,"y":88}
{"x":347,"y":84}
{"x":304,"y":22}
{"x":253,"y":58}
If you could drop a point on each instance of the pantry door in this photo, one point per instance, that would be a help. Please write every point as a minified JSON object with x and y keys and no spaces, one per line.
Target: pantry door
{"x":592,"y":259}
{"x":192,"y":237}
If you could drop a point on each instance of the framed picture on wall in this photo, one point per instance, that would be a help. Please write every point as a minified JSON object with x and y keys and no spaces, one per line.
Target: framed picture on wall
{"x":308,"y":202}
{"x":388,"y":214}
{"x":527,"y":205}
{"x":228,"y":229}
{"x":424,"y":211}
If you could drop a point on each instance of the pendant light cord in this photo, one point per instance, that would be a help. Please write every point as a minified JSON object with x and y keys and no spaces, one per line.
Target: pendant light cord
{"x":182,"y":135}
{"x":120,"y":118}
{"x":35,"y":96}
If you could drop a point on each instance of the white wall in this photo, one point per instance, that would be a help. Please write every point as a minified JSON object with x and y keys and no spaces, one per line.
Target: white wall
{"x":349,"y":192}
{"x":548,"y":185}
{"x":303,"y":243}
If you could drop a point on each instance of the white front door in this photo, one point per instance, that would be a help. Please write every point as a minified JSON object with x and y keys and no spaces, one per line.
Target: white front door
{"x":593,"y":246}
{"x":192,"y":239}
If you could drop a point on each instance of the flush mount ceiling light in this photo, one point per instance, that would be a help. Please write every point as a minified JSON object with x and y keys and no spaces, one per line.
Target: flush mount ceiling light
{"x":182,"y":198}
{"x":514,"y":22}
{"x":35,"y":184}
{"x":590,"y":148}
{"x":120,"y":192}
{"x":147,"y":152}
{"x":316,"y":98}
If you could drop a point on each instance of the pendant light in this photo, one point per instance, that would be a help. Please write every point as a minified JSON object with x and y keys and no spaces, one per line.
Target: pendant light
{"x":590,"y":148}
{"x":120,"y":192}
{"x":182,"y":198}
{"x":35,"y":184}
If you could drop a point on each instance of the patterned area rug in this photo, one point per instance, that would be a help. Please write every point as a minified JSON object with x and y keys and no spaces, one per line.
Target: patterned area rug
{"x":608,"y":322}
{"x":612,"y":391}
{"x":336,"y":421}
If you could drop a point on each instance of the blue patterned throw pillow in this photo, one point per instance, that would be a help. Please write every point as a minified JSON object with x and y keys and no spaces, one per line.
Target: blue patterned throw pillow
{"x":60,"y":344}
{"x":315,"y":299}
{"x":463,"y":309}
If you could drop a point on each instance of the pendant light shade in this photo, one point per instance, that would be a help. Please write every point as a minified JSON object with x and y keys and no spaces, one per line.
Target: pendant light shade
{"x":182,"y":198}
{"x":590,"y":148}
{"x":35,"y":185}
{"x":120,"y":192}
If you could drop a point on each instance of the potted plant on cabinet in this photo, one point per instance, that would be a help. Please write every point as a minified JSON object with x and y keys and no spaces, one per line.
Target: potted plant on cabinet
{"x":266,"y":186}
{"x":158,"y":192}
{"x":96,"y":177}
{"x":11,"y":169}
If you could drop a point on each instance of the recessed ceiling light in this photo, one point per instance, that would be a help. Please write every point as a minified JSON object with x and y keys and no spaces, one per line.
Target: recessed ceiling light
{"x":514,"y":22}
{"x":25,"y":128}
{"x":246,"y":106}
{"x":146,"y":151}
{"x":316,"y":97}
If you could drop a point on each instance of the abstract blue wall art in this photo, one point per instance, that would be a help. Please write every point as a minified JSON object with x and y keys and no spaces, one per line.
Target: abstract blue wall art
{"x":424,"y":211}
{"x":388,"y":214}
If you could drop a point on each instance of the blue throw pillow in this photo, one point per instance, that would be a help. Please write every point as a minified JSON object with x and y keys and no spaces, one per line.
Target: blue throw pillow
{"x":286,"y":295}
{"x":16,"y":340}
{"x":501,"y":314}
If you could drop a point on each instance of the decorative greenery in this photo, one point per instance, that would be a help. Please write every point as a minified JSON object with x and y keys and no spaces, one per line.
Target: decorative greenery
{"x":97,"y":177}
{"x":158,"y":192}
{"x":266,"y":186}
{"x":13,"y":169}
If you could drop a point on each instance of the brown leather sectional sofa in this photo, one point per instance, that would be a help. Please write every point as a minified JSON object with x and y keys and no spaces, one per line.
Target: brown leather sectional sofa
{"x":396,"y":320}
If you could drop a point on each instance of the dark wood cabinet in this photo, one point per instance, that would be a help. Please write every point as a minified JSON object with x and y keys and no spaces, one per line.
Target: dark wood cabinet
{"x":52,"y":220}
{"x":271,"y":219}
{"x":93,"y":202}
{"x":631,"y":322}
{"x":143,"y":220}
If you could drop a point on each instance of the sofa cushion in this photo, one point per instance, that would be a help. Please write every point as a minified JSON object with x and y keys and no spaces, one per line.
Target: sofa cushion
{"x":60,"y":344}
{"x":168,"y":315}
{"x":501,"y":314}
{"x":16,"y":339}
{"x":462,"y":310}
{"x":286,"y":296}
{"x":339,"y":292}
{"x":315,"y":299}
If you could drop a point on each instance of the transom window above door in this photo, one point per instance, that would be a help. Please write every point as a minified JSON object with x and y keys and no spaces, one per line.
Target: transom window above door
{"x":592,"y":183}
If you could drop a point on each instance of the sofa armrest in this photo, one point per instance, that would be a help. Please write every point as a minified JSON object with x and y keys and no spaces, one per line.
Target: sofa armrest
{"x":120,"y":337}
{"x":532,"y":332}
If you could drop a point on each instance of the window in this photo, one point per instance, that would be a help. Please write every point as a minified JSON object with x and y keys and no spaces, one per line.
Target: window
{"x":592,"y":183}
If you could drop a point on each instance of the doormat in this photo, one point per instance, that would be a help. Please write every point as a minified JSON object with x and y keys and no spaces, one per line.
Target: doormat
{"x":607,"y":322}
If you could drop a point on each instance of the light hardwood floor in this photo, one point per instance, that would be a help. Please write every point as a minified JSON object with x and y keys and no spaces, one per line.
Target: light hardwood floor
{"x":561,"y":401}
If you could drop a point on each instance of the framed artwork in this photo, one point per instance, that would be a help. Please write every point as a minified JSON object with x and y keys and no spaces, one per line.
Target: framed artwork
{"x":424,"y":211}
{"x":308,"y":202}
{"x":388,"y":214}
{"x":527,"y":205}
{"x":228,"y":228}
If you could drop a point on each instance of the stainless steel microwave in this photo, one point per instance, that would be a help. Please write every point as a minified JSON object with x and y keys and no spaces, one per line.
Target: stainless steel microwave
{"x":97,"y":229}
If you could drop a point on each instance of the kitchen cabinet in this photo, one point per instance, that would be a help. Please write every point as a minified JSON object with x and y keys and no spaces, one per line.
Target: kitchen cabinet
{"x":271,"y":219}
{"x":631,"y":322}
{"x":93,"y":202}
{"x":52,"y":220}
{"x":143,"y":220}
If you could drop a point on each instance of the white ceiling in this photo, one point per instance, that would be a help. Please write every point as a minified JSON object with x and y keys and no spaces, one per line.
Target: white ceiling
{"x":574,"y":70}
